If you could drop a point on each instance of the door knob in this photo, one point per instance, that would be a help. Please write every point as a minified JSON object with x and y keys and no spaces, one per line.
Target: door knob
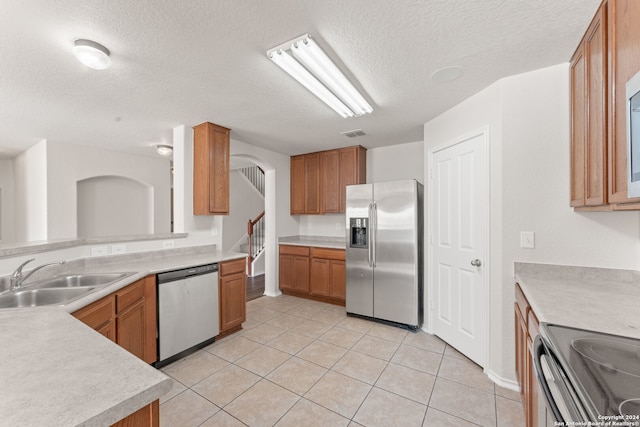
{"x":476,"y":262}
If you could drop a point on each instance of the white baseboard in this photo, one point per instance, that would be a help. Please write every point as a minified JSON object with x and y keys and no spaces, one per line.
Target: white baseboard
{"x":503,"y":382}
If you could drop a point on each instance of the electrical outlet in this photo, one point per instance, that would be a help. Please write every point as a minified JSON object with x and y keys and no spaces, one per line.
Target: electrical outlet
{"x":99,"y":251}
{"x":338,"y":226}
{"x":527,"y":239}
{"x":118,"y":249}
{"x":214,"y":231}
{"x":168,"y":244}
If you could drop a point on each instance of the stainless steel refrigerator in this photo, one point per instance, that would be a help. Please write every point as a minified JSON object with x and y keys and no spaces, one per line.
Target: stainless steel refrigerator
{"x":385,"y":251}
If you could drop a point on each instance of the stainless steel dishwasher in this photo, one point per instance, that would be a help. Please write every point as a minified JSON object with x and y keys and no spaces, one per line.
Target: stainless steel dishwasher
{"x":187,"y":311}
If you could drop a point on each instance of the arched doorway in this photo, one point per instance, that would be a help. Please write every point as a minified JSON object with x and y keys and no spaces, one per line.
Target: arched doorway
{"x":270,"y":239}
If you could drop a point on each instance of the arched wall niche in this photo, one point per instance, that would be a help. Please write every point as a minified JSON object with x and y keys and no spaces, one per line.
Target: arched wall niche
{"x":114,"y":206}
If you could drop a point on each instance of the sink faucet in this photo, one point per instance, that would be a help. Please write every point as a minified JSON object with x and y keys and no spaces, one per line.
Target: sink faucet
{"x":17,"y":277}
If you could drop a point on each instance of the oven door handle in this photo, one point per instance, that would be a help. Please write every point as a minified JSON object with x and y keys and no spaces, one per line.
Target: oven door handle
{"x":538,"y":352}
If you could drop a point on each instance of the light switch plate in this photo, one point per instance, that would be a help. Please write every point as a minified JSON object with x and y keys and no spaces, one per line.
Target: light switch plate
{"x":527,"y":239}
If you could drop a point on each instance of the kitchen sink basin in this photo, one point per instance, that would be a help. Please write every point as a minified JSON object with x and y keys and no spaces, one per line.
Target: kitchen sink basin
{"x":78,"y":280}
{"x":42,"y":297}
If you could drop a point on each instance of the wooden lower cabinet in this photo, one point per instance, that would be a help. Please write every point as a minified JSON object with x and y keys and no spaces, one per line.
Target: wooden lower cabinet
{"x":294,"y":268}
{"x":527,"y":328}
{"x":147,"y":416}
{"x":232,"y":296}
{"x":127,"y":317}
{"x":328,"y":273}
{"x":315,"y":273}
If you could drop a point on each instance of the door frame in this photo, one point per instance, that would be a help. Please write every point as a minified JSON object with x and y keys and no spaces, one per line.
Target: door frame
{"x":430,"y":229}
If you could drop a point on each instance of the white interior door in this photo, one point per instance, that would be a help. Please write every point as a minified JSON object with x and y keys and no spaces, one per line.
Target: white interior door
{"x":458,"y":242}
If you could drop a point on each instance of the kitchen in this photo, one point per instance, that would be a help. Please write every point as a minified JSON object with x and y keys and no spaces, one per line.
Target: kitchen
{"x":524,"y":156}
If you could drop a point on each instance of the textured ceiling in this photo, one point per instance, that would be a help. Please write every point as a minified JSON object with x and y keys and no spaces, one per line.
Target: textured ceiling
{"x":186,"y":62}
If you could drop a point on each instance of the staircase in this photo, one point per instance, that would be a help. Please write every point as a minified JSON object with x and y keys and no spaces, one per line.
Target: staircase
{"x":254,"y":245}
{"x":255,"y":175}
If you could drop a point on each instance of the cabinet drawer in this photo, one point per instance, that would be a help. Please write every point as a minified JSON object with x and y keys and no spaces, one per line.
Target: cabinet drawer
{"x":232,"y":267}
{"x":325,"y":253}
{"x":294,"y":250}
{"x":97,"y":314}
{"x":129,"y":296}
{"x":522,"y":303}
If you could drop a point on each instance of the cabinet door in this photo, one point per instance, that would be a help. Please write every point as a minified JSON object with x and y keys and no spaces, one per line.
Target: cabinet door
{"x":624,"y":49}
{"x":353,"y":170}
{"x":338,"y":280}
{"x":131,"y":329}
{"x":312,"y":184}
{"x":320,"y":283}
{"x":521,"y":351}
{"x":596,"y":148}
{"x":578,"y":127}
{"x":99,"y":316}
{"x":301,"y":273}
{"x":297,"y":185}
{"x":331,"y":177}
{"x":286,"y":272}
{"x":233,"y":298}
{"x":210,"y":169}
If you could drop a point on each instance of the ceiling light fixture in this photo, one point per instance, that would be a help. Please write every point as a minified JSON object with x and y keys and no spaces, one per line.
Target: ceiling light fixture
{"x":315,"y":71}
{"x":164,"y":150}
{"x":92,"y":54}
{"x":447,"y":74}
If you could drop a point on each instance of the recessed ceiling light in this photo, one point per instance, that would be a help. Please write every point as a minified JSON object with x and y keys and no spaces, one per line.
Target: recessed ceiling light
{"x":447,"y":74}
{"x":92,"y":54}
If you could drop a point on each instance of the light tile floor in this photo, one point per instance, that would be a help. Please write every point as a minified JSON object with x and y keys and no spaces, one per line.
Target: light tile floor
{"x":304,"y":363}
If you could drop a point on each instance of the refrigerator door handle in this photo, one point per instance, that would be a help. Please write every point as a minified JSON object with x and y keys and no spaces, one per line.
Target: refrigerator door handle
{"x":374,"y":228}
{"x":369,"y":238}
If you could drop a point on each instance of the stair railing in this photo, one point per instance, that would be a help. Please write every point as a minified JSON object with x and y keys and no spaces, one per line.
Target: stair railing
{"x":255,"y":230}
{"x":255,"y":175}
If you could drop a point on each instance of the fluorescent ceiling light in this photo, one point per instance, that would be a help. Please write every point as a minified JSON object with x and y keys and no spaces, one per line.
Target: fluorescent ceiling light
{"x":315,"y":71}
{"x":92,"y":54}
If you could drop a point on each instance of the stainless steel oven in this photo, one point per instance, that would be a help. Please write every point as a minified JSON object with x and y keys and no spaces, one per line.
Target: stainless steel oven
{"x":588,"y":378}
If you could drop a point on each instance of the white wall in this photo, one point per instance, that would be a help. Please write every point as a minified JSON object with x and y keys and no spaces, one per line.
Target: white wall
{"x":245,"y":203}
{"x":68,"y":163}
{"x":30,"y":168}
{"x":396,"y":162}
{"x":7,"y":202}
{"x":528,"y":120}
{"x":114,"y":206}
{"x":390,"y":163}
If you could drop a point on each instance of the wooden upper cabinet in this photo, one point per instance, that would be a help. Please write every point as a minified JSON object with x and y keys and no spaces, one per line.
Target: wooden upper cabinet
{"x":210,"y":169}
{"x":596,"y":149}
{"x":305,"y":184}
{"x":589,"y":116}
{"x":319,"y":180}
{"x":624,"y":63}
{"x":353,"y":170}
{"x":607,"y":57}
{"x":331,"y":181}
{"x":578,"y":126}
{"x":297,"y":185}
{"x":312,"y":183}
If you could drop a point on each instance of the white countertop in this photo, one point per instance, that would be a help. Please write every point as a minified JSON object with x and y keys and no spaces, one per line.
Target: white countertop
{"x":595,"y":299}
{"x":315,"y":241}
{"x":55,"y":370}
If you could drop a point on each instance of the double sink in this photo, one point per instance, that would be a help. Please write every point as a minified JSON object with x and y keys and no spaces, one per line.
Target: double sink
{"x":58,"y":290}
